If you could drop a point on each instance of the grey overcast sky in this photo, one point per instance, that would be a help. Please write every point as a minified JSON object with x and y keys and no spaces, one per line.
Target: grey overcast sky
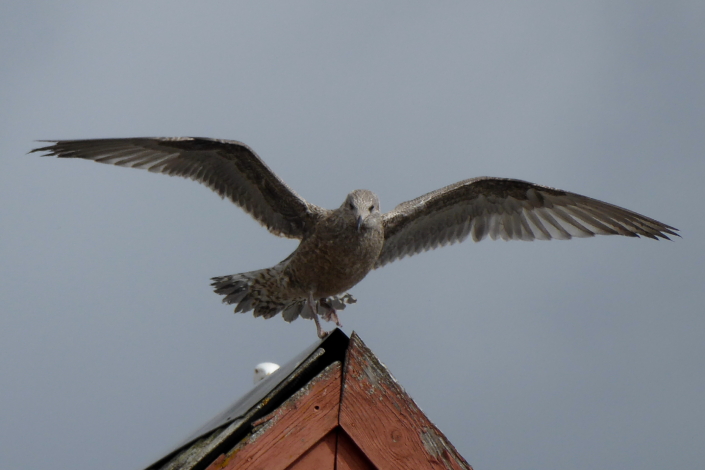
{"x":576,"y":354}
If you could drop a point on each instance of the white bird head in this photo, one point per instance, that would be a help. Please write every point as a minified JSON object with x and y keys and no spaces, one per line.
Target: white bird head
{"x":264,"y":369}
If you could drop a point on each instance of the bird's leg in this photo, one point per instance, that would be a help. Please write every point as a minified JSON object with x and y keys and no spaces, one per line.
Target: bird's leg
{"x":319,"y":331}
{"x":330,"y":314}
{"x":334,"y":316}
{"x":312,"y":305}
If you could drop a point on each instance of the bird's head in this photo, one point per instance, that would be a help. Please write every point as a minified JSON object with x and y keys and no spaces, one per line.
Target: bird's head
{"x":363,"y":207}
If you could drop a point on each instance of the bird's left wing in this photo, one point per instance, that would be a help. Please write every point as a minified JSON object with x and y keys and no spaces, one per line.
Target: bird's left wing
{"x":228,"y":167}
{"x":508,"y":209}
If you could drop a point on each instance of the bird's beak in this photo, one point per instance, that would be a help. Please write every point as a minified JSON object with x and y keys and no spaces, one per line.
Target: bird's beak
{"x":359,"y":222}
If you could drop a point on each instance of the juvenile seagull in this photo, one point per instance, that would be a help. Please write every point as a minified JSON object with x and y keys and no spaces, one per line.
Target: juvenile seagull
{"x":339,"y":247}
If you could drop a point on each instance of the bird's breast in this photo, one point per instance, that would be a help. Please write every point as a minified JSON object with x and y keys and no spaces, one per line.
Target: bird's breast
{"x":331,"y":261}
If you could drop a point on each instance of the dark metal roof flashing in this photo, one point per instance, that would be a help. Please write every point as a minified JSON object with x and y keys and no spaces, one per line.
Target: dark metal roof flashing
{"x":229,"y":427}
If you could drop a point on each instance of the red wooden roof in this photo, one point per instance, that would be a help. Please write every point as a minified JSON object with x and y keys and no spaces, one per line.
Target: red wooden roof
{"x":352,"y":414}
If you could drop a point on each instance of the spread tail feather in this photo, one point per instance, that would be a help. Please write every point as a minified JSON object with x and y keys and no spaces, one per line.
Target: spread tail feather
{"x":244,"y":291}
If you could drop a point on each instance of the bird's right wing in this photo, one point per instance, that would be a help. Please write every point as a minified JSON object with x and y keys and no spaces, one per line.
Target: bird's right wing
{"x":228,"y":167}
{"x":508,"y":209}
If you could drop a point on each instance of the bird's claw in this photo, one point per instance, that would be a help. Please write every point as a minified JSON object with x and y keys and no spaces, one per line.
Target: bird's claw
{"x":331,"y":315}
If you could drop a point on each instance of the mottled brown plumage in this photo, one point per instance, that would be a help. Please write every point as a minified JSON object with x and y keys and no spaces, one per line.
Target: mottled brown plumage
{"x":339,"y":247}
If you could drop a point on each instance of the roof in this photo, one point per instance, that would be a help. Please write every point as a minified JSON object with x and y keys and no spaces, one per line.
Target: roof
{"x":335,"y":405}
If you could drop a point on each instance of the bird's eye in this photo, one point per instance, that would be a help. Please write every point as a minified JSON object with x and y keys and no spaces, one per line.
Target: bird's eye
{"x":351,"y":206}
{"x":372,"y":207}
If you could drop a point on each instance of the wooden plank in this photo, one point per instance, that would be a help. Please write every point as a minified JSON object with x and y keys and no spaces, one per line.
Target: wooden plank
{"x":293,"y":428}
{"x":349,"y":456}
{"x":319,"y":457}
{"x":385,"y":423}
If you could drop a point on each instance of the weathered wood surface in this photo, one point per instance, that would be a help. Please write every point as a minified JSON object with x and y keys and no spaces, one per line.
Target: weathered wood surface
{"x":383,"y":420}
{"x":351,"y":417}
{"x":349,"y":456}
{"x":319,"y":457}
{"x":292,"y":429}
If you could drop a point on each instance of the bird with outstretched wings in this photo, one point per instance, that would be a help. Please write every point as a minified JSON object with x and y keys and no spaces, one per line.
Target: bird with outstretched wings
{"x":339,"y":247}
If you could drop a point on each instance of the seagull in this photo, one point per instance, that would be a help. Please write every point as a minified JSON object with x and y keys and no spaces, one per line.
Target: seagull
{"x":264,"y":370}
{"x":340,"y":246}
